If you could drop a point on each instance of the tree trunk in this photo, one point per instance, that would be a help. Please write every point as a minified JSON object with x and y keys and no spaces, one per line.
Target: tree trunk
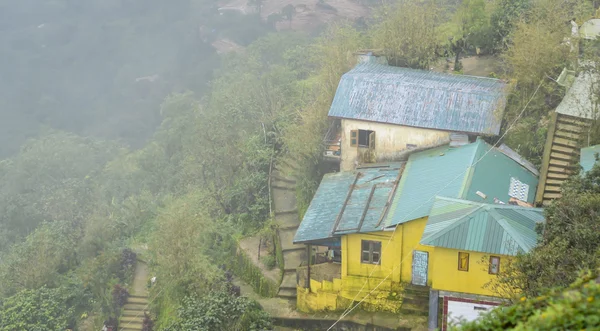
{"x":456,"y":58}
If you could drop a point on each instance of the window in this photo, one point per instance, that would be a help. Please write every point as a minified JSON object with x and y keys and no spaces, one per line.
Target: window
{"x":362,"y":138}
{"x":494,"y":265}
{"x":371,"y":252}
{"x":354,"y":138}
{"x":463,"y":261}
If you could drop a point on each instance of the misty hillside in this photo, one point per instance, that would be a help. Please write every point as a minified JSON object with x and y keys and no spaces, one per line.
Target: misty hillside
{"x":103,"y":67}
{"x":157,"y":159}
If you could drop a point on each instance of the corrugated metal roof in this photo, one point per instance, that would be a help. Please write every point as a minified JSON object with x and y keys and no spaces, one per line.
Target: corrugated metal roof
{"x":479,"y":227}
{"x":360,"y":205}
{"x":588,"y":157}
{"x":458,"y":173}
{"x":579,"y":100}
{"x":420,"y":98}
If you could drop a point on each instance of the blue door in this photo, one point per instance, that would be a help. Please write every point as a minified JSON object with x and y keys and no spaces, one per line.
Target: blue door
{"x":419,"y":268}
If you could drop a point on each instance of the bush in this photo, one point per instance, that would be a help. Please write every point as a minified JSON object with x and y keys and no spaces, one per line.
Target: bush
{"x":577,"y":308}
{"x":39,"y":310}
{"x":269,"y":261}
{"x":220,"y":311}
{"x":120,"y":296}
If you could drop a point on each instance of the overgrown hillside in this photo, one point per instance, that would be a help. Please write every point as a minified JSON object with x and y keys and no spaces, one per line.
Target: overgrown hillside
{"x":77,"y":211}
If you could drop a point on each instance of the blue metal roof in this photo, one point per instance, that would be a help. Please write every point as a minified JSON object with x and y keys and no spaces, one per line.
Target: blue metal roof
{"x":348,"y":202}
{"x":588,"y":157}
{"x":420,"y":98}
{"x":479,"y":227}
{"x":457,"y":173}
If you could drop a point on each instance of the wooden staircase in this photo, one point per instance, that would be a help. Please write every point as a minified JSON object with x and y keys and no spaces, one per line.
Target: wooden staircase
{"x":132,"y":318}
{"x":566,"y":135}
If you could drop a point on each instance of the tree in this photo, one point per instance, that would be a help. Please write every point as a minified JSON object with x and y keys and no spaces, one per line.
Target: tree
{"x":40,"y":260}
{"x":288,"y":12}
{"x":468,"y":28}
{"x":503,"y":20}
{"x":407,"y":32}
{"x":574,"y":308}
{"x":570,"y":241}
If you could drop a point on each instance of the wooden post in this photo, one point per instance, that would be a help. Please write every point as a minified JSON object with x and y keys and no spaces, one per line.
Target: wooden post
{"x":308,"y":254}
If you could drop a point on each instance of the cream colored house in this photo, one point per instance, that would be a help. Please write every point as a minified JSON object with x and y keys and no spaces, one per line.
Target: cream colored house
{"x":382,"y":112}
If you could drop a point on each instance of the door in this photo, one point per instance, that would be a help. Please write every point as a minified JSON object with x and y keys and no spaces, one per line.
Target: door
{"x":419,"y":268}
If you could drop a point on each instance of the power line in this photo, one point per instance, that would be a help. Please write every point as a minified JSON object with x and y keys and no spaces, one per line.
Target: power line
{"x":349,"y":310}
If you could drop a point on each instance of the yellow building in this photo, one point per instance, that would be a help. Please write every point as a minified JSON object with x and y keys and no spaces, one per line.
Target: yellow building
{"x":383,"y":112}
{"x":390,"y":231}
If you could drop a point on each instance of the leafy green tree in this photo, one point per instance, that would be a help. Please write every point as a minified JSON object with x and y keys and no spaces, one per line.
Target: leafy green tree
{"x":574,"y":308}
{"x":408,"y":33}
{"x":40,"y":260}
{"x":570,"y":241}
{"x":467,"y":29}
{"x":503,"y":20}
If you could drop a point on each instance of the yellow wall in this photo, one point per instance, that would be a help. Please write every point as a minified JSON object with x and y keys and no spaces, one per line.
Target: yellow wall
{"x":403,"y":241}
{"x":411,"y":233}
{"x":390,"y":140}
{"x":446,"y":276}
{"x":390,"y":257}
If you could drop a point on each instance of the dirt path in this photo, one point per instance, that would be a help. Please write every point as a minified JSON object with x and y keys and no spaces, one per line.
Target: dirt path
{"x":140,"y":280}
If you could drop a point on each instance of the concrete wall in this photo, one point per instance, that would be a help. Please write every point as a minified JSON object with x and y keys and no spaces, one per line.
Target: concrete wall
{"x":445,"y":275}
{"x":390,"y":141}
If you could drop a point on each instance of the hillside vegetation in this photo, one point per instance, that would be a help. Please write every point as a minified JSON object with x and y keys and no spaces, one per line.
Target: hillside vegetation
{"x":76,"y":208}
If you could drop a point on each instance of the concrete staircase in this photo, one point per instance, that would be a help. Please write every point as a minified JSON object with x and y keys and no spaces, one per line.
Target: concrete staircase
{"x":133,"y":314}
{"x":566,"y":134}
{"x":415,"y":301}
{"x":283,"y":187}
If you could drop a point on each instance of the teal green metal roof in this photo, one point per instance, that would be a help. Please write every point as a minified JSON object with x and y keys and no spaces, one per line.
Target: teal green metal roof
{"x":479,"y":227}
{"x":420,"y":98}
{"x":457,"y":172}
{"x":348,"y":202}
{"x":588,"y":157}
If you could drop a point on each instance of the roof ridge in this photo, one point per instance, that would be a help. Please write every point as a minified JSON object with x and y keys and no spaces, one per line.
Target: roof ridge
{"x":460,"y":221}
{"x":375,"y":64}
{"x":492,"y":205}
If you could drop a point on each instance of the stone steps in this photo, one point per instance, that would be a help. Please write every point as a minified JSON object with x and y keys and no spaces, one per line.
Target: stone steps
{"x":132,"y":318}
{"x":283,"y":186}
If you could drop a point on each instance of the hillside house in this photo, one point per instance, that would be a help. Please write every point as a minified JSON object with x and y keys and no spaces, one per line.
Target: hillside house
{"x":382,"y":112}
{"x":406,"y":226}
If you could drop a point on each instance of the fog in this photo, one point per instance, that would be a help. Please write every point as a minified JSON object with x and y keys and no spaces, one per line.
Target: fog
{"x":102,"y":68}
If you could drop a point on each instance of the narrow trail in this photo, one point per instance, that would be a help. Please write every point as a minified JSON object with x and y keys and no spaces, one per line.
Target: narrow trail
{"x":137,"y":303}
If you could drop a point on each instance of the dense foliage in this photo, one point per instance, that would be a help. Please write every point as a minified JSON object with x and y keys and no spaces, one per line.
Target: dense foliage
{"x":574,"y":308}
{"x":40,"y":309}
{"x":220,"y":311}
{"x":570,"y":241}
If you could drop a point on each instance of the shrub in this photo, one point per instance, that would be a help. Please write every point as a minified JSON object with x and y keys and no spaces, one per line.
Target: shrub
{"x":269,"y":261}
{"x":220,"y":311}
{"x":39,"y":309}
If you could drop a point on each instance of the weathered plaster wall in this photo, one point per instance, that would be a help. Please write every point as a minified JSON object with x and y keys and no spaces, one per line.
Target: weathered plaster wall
{"x":390,"y":141}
